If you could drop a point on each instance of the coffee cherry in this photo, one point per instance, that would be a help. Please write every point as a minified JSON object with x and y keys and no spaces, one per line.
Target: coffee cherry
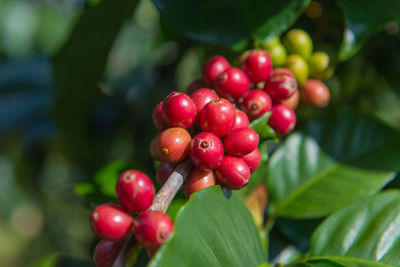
{"x":178,"y":110}
{"x":195,"y":85}
{"x":292,"y":102}
{"x":202,"y":97}
{"x":198,"y":180}
{"x":299,"y":67}
{"x":315,"y":93}
{"x":253,"y":159}
{"x":106,"y":252}
{"x":173,"y":145}
{"x":163,"y":171}
{"x":298,"y":42}
{"x":256,"y":103}
{"x":212,"y":68}
{"x":232,"y":84}
{"x":277,"y":52}
{"x":135,"y":190}
{"x":158,"y":119}
{"x":153,"y":147}
{"x":280,"y":85}
{"x":111,"y":222}
{"x":233,"y":173}
{"x":152,"y":229}
{"x":241,"y":120}
{"x":218,"y":117}
{"x":206,"y":151}
{"x":241,"y":141}
{"x":282,"y":120}
{"x":258,"y":65}
{"x":243,"y":56}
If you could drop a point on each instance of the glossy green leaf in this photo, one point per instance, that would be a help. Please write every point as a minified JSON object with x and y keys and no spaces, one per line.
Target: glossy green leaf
{"x":261,"y":126}
{"x":336,"y":261}
{"x":331,"y":163}
{"x":368,"y":229}
{"x":231,"y":23}
{"x":211,"y":230}
{"x":364,"y":18}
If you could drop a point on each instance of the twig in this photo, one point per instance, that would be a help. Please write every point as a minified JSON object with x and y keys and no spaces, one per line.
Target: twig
{"x":161,"y":202}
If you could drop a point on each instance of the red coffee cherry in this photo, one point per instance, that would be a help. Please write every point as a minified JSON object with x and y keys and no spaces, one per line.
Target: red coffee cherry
{"x":158,"y":119}
{"x":135,"y":190}
{"x":195,"y":85}
{"x":241,"y":141}
{"x":173,"y":145}
{"x":256,"y":103}
{"x":178,"y":110}
{"x":212,"y":68}
{"x":218,"y":117}
{"x":233,"y":173}
{"x":198,"y":180}
{"x":253,"y":159}
{"x":241,"y":120}
{"x":106,"y":252}
{"x":282,"y":120}
{"x":280,"y":85}
{"x":258,"y":65}
{"x":152,"y":229}
{"x":315,"y":93}
{"x":292,"y":102}
{"x":202,"y":97}
{"x":206,"y":151}
{"x":164,"y":170}
{"x":111,"y":222}
{"x":232,"y":84}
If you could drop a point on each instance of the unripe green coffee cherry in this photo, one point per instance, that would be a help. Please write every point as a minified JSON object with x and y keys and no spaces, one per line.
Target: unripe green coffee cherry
{"x":299,"y":67}
{"x":319,"y":66}
{"x":298,"y":42}
{"x":278,"y":54}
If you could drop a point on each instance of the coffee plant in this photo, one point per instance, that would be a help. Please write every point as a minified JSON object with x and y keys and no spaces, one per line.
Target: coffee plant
{"x":217,"y":133}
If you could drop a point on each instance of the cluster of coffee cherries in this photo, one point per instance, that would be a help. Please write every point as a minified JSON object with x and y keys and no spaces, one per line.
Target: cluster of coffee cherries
{"x":113,"y":224}
{"x":295,"y":52}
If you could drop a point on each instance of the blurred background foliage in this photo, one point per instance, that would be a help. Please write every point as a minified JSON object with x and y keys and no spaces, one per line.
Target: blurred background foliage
{"x":78,"y":82}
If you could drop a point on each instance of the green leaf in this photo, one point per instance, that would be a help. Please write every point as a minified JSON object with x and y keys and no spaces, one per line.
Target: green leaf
{"x":364,"y":18}
{"x":261,"y":126}
{"x":331,"y":163}
{"x":368,"y":229}
{"x":231,"y":23}
{"x":335,"y":261}
{"x":211,"y":230}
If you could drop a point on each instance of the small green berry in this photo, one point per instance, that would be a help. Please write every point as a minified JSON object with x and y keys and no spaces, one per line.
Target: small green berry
{"x":319,"y":66}
{"x":298,"y":42}
{"x":278,"y":55}
{"x":299,"y":67}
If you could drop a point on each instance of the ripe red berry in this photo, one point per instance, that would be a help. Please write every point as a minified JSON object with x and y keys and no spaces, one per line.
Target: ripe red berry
{"x":152,"y":229}
{"x":282,"y":120}
{"x":202,"y":97}
{"x":218,"y":117}
{"x":241,"y":120}
{"x":281,"y":84}
{"x":106,"y":252}
{"x":198,"y":180}
{"x":178,"y":110}
{"x":315,"y":93}
{"x":173,"y":145}
{"x":164,"y":170}
{"x":212,"y":68}
{"x":158,"y":119}
{"x":153,"y":147}
{"x":135,"y":190}
{"x":111,"y":222}
{"x":241,"y":141}
{"x":256,"y":103}
{"x":206,"y":151}
{"x":258,"y":65}
{"x":233,"y":173}
{"x":253,"y":159}
{"x":232,"y":84}
{"x":195,"y":85}
{"x":292,"y":102}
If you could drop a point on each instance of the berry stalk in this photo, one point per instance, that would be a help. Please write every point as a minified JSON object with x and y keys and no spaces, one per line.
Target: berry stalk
{"x":161,"y":203}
